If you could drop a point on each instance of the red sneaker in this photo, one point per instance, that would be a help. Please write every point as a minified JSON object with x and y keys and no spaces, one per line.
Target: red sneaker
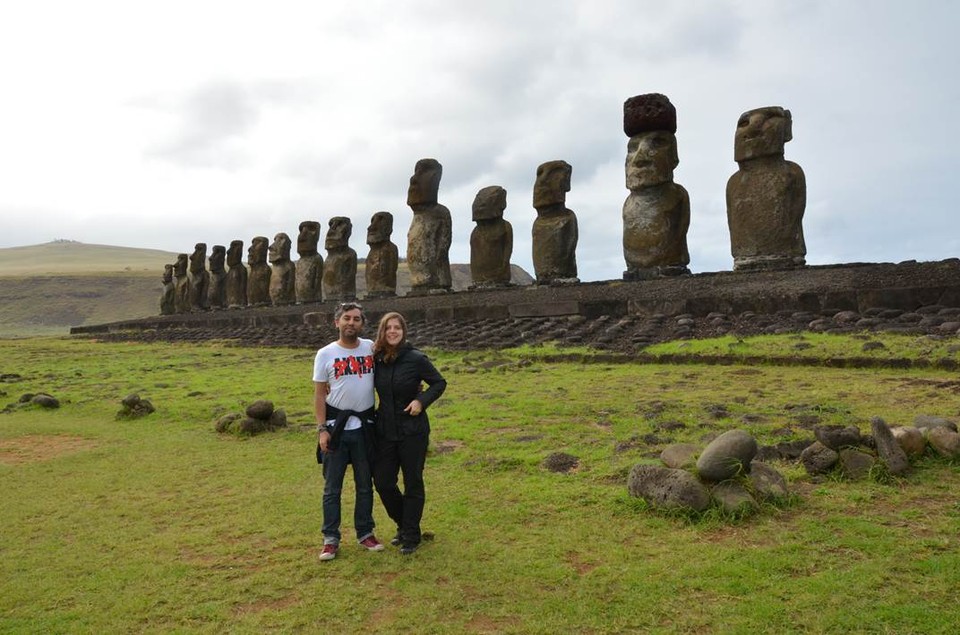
{"x":370,"y":543}
{"x":329,"y":551}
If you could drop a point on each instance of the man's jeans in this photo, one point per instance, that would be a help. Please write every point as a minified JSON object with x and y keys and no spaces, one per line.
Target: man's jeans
{"x":351,"y":450}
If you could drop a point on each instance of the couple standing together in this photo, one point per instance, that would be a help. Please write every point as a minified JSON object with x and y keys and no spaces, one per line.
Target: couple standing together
{"x":379,"y":442}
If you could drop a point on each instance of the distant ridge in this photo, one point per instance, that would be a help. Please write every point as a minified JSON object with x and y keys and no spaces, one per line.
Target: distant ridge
{"x":70,"y":257}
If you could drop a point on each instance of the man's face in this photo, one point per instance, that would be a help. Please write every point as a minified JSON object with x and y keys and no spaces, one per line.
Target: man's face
{"x":651,"y":158}
{"x":350,"y":324}
{"x":761,"y":132}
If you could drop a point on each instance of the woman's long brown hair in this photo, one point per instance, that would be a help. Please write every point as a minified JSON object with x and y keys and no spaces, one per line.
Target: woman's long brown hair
{"x":380,"y":344}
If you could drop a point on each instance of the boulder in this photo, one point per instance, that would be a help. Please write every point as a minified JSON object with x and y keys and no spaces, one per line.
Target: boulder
{"x":768,"y":483}
{"x":944,"y":441}
{"x":733,"y":498}
{"x":249,"y":425}
{"x":910,"y":439}
{"x":130,"y":401}
{"x":45,"y":401}
{"x":278,"y":419}
{"x":667,"y":488}
{"x":260,"y":409}
{"x":855,"y":464}
{"x":680,"y":455}
{"x":225,"y":423}
{"x":818,"y":458}
{"x":837,"y":437}
{"x":888,"y":449}
{"x":926,"y":422}
{"x":727,"y":456}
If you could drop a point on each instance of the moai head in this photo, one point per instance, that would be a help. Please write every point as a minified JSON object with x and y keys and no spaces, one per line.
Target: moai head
{"x":180,"y":267}
{"x":280,"y":248}
{"x":235,"y":253}
{"x":380,"y":228}
{"x":308,"y":238}
{"x":651,"y":123}
{"x":198,"y":258}
{"x":552,"y":184}
{"x":217,"y":256}
{"x":338,"y":233}
{"x":425,"y":183}
{"x":167,"y":274}
{"x":257,"y":253}
{"x":762,"y":132}
{"x":489,"y":203}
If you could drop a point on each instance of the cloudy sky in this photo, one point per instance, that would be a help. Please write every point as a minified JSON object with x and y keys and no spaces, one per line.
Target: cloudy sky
{"x":163,"y":124}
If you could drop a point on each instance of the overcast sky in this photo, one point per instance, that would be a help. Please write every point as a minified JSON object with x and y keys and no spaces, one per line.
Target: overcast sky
{"x":164,"y":124}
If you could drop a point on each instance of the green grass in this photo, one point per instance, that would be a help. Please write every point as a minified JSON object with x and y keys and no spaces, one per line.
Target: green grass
{"x":161,"y":524}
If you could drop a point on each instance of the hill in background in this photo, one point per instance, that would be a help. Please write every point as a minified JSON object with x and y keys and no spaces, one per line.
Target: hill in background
{"x":45,"y":289}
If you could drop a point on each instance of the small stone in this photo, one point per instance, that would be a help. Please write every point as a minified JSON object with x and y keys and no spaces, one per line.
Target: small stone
{"x":945,"y":442}
{"x":278,"y":419}
{"x":45,"y":401}
{"x":680,"y":455}
{"x":727,"y":456}
{"x":733,"y":498}
{"x":261,"y":409}
{"x":131,"y":401}
{"x":856,"y":464}
{"x":926,"y":422}
{"x":667,"y":488}
{"x":767,"y":482}
{"x":818,"y":458}
{"x":888,"y":449}
{"x":837,"y":437}
{"x":910,"y":439}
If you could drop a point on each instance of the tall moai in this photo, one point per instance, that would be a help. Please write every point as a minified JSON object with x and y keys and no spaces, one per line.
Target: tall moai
{"x":382,"y":260}
{"x":555,"y":231}
{"x":217,"y":291}
{"x":309,"y":268}
{"x":431,"y":232}
{"x":181,"y":299}
{"x":283,"y":278}
{"x":258,"y":281}
{"x":491,"y":241}
{"x":168,"y":305}
{"x":340,"y":268}
{"x":236,"y":276}
{"x":656,"y":214}
{"x":199,"y":278}
{"x":767,"y":196}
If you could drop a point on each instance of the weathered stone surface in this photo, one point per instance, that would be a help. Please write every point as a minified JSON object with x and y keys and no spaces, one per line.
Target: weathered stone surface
{"x":226,"y":422}
{"x":249,"y":425}
{"x":944,"y":441}
{"x":236,"y":285}
{"x":888,"y":450}
{"x":837,"y":437}
{"x":181,"y":298}
{"x":727,"y":456}
{"x":649,"y":112}
{"x":767,"y":196}
{"x":278,"y":419}
{"x":260,"y":409}
{"x":666,"y":488}
{"x":768,"y":483}
{"x":430,"y":233}
{"x":733,"y":498}
{"x":855,"y":464}
{"x":133,"y":407}
{"x":168,"y":304}
{"x":680,"y":455}
{"x":258,"y":280}
{"x":926,"y":422}
{"x":383,"y":259}
{"x":910,"y":439}
{"x":217,"y":289}
{"x":818,"y":458}
{"x":491,"y":242}
{"x":309,"y":268}
{"x":198,"y":279}
{"x":45,"y":401}
{"x":283,"y":278}
{"x":340,"y":268}
{"x":555,"y":230}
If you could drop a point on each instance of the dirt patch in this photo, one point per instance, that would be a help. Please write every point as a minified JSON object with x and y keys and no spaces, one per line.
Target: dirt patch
{"x":34,"y":448}
{"x":260,"y":606}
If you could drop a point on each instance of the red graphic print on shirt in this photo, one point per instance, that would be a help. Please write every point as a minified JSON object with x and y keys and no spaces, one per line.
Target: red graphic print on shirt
{"x":352,"y":365}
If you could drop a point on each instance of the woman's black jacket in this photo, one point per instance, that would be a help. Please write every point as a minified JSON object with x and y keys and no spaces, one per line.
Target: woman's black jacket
{"x":398,"y":383}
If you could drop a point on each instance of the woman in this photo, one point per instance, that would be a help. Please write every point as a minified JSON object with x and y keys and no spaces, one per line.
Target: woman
{"x":403,"y":430}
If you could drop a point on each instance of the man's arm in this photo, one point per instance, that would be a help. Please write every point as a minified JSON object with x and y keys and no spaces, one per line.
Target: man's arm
{"x":321,"y":388}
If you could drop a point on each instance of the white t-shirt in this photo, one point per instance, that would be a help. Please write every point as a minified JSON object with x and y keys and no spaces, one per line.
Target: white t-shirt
{"x":349,"y":372}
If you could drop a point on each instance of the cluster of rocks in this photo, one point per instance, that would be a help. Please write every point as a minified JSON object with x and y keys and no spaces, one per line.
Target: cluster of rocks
{"x":260,"y":416}
{"x":40,"y":400}
{"x":133,"y":407}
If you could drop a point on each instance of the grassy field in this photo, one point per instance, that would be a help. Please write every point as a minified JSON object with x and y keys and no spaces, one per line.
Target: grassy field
{"x":161,"y":524}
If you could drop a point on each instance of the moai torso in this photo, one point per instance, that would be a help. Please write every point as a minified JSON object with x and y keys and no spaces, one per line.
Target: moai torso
{"x":491,"y":241}
{"x":236,"y":285}
{"x":217,"y":291}
{"x":430,"y":233}
{"x":199,"y":278}
{"x":555,"y":232}
{"x":309,"y":268}
{"x":656,"y":214}
{"x":258,"y":280}
{"x":383,"y":258}
{"x":168,"y":304}
{"x":767,"y":196}
{"x":181,"y":299}
{"x":284,"y":275}
{"x":340,"y":268}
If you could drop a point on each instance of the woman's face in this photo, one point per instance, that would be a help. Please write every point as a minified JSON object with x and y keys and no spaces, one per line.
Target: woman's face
{"x":394,"y":332}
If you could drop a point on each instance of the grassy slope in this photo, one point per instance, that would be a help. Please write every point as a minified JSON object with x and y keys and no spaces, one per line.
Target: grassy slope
{"x":161,"y":524}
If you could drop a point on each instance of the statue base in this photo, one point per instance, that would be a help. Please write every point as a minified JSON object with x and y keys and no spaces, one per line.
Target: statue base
{"x":556,"y":282}
{"x":415,"y":291}
{"x":480,"y":286}
{"x":768,"y":263}
{"x":376,"y":295}
{"x":650,"y":273}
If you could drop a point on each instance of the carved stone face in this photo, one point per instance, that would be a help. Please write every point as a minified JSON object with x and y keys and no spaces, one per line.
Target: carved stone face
{"x":308,"y":238}
{"x":217,"y":256}
{"x":235,"y":253}
{"x":167,"y":274}
{"x":380,"y":228}
{"x":180,"y":268}
{"x":257,"y":253}
{"x":762,"y":132}
{"x":280,"y":248}
{"x":651,"y":159}
{"x":489,"y":203}
{"x":198,"y":258}
{"x":552,"y":184}
{"x":425,"y":183}
{"x":338,"y":234}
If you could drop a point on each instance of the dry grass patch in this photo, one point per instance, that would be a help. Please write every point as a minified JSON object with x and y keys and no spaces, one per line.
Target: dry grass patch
{"x":35,"y":448}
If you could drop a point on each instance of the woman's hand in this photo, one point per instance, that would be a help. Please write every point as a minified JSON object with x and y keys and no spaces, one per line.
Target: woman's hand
{"x":414,"y":408}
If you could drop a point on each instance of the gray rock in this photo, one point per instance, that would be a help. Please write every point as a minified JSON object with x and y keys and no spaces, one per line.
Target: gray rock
{"x":45,"y":401}
{"x":818,"y":458}
{"x":925,"y":422}
{"x":856,"y":464}
{"x":793,"y":449}
{"x":733,"y":498}
{"x":666,"y":488}
{"x":278,"y":419}
{"x":225,"y":423}
{"x":945,"y":442}
{"x":261,"y":409}
{"x":910,"y":439}
{"x":837,"y":437}
{"x":131,"y":401}
{"x":680,"y":455}
{"x":767,"y":483}
{"x":727,"y":456}
{"x":249,"y":425}
{"x":888,"y":449}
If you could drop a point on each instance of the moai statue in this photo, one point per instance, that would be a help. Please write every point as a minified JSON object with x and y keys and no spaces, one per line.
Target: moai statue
{"x":284,"y":276}
{"x":431,"y":231}
{"x":766,"y":197}
{"x":236,"y":276}
{"x":656,"y":214}
{"x":258,"y":282}
{"x":309,"y":267}
{"x":199,"y":278}
{"x":555,"y":232}
{"x":168,"y":305}
{"x":340,"y":269}
{"x":181,"y":298}
{"x":217,"y":292}
{"x":381,"y":267}
{"x":491,"y":242}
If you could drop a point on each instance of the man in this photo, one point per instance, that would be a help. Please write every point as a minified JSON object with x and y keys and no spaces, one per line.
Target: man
{"x":343,"y":403}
